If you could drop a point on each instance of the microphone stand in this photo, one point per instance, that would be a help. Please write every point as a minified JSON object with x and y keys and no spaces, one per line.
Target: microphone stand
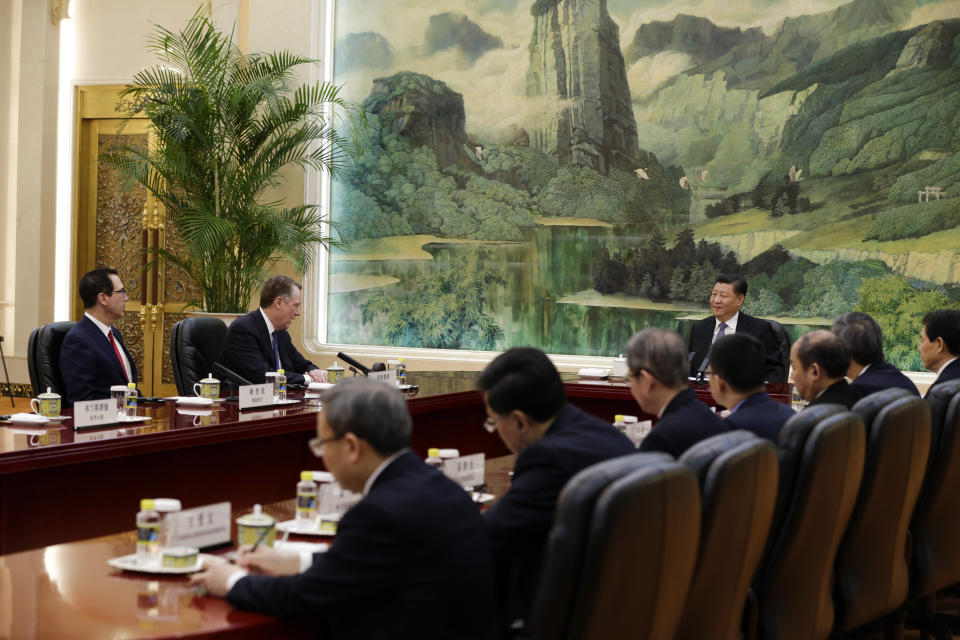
{"x":6,"y":374}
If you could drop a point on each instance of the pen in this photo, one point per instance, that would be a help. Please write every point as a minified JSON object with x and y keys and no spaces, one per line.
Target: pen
{"x":260,"y":538}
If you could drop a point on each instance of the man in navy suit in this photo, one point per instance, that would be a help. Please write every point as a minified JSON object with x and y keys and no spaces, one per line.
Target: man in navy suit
{"x":863,"y":340}
{"x":819,"y":362}
{"x":93,"y":357}
{"x":259,"y":342}
{"x":736,"y":382}
{"x":940,"y":344}
{"x":657,"y":370}
{"x":729,"y":292}
{"x":527,"y":405}
{"x":410,"y":560}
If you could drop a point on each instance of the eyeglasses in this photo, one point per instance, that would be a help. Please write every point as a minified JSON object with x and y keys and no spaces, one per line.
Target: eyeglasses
{"x":123,"y":291}
{"x":490,"y":425}
{"x":316,"y":444}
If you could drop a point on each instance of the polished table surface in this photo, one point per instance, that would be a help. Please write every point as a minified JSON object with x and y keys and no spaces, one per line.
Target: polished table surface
{"x":68,"y":591}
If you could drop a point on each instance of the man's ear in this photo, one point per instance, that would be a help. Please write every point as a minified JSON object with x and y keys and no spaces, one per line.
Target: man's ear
{"x":353,"y":446}
{"x":815,"y":371}
{"x":523,"y":420}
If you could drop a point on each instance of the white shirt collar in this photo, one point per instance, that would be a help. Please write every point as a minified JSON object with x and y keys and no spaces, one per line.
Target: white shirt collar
{"x":270,"y":328}
{"x":945,"y":365}
{"x":103,"y":328}
{"x":376,"y":472}
{"x":731,"y":325}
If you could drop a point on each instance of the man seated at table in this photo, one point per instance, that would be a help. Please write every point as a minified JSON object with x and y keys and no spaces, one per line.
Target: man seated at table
{"x":940,"y":344}
{"x":527,"y":405}
{"x":657,"y":370}
{"x":259,"y":342}
{"x":819,"y":362}
{"x":736,"y":382}
{"x":729,"y":292}
{"x":93,"y":357}
{"x":410,"y":560}
{"x":863,"y":339}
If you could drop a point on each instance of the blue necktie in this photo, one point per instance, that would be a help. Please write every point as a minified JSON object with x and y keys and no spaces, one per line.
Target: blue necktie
{"x":276,"y":349}
{"x":720,"y":333}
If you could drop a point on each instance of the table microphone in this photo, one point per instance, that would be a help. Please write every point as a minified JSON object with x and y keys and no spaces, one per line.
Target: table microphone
{"x":353,"y":363}
{"x":230,"y":375}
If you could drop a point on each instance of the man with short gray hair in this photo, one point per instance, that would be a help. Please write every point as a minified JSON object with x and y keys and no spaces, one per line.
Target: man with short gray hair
{"x":657,"y":370}
{"x":410,"y":560}
{"x":259,"y":341}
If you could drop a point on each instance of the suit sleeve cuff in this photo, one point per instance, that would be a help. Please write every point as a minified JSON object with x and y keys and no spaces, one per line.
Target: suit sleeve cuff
{"x":234,"y":578}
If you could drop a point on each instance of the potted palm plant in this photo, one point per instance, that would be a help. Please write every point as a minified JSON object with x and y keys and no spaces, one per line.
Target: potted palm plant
{"x":224,"y":124}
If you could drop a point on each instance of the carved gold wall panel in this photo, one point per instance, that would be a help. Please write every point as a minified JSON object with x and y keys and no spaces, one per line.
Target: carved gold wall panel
{"x":119,"y":218}
{"x":176,"y":285}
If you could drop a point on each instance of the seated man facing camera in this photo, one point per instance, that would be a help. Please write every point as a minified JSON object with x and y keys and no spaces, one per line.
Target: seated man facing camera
{"x":527,"y":405}
{"x":410,"y":560}
{"x":862,"y":338}
{"x":736,"y":382}
{"x":819,"y":362}
{"x":657,"y":370}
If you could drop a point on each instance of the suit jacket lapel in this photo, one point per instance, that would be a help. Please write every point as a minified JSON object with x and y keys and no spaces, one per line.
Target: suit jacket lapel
{"x":263,"y":338}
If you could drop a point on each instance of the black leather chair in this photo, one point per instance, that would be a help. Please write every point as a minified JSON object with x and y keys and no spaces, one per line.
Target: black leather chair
{"x":872,"y":567}
{"x":195,"y":344}
{"x":935,"y":562}
{"x":621,"y":552}
{"x":783,"y":343}
{"x":737,"y":472}
{"x":43,"y":356}
{"x":821,"y":453}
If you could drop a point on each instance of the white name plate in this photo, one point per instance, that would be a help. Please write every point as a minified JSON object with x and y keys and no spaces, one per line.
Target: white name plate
{"x":637,"y":431}
{"x":94,"y":413}
{"x":467,"y":471}
{"x":256,"y":395}
{"x":204,"y":526}
{"x":332,"y":498}
{"x":388,"y":378}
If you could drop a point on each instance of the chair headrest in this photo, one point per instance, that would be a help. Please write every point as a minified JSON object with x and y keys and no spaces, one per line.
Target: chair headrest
{"x":700,"y":456}
{"x":869,"y":406}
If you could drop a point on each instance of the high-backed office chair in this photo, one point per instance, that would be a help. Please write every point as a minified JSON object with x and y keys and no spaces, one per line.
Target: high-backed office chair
{"x":737,"y":472}
{"x":621,"y":552}
{"x":872,"y":567}
{"x":935,"y":562}
{"x":783,"y":343}
{"x":43,"y":356}
{"x":794,"y":582}
{"x":195,"y":344}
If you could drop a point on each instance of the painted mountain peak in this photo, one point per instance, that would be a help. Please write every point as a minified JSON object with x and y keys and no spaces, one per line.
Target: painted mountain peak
{"x":456,"y":31}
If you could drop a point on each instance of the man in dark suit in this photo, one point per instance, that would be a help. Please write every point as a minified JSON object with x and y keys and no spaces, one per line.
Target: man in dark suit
{"x":728,"y":295}
{"x":93,"y":357}
{"x":657,"y":370}
{"x":863,"y":340}
{"x":527,"y":405}
{"x":259,"y":342}
{"x":940,"y":344}
{"x":410,"y":560}
{"x":736,"y":382}
{"x":819,"y":362}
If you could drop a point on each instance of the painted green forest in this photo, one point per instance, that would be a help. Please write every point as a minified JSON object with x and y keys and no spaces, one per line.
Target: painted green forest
{"x":501,"y":203}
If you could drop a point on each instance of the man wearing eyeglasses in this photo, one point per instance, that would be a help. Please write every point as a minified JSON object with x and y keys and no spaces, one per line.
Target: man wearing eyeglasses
{"x":410,"y":560}
{"x":527,"y":406}
{"x":93,"y":357}
{"x":729,"y":292}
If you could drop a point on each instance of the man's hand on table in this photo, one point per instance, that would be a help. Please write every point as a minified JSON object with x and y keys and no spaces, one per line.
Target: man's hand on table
{"x":268,"y":561}
{"x":317,"y":375}
{"x":214,"y":576}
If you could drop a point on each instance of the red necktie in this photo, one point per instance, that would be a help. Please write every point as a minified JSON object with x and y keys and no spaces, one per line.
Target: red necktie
{"x":116,"y":350}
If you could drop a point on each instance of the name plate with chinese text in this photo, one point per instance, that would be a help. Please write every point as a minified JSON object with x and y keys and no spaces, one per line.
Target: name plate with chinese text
{"x":333,"y":499}
{"x":256,"y":395}
{"x":94,"y":413}
{"x":200,"y":527}
{"x":467,"y":471}
{"x":388,"y":378}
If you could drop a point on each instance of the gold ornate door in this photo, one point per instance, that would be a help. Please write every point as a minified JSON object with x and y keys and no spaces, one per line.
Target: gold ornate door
{"x":116,"y":227}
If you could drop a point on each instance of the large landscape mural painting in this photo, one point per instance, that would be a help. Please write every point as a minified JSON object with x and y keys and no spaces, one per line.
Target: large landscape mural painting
{"x":563,"y":173}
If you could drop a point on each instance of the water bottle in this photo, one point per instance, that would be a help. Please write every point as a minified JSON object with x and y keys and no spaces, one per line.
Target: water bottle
{"x":620,"y":424}
{"x":306,"y":498}
{"x":433,"y":459}
{"x":401,"y":372}
{"x":130,"y":400}
{"x":280,"y":386}
{"x":148,"y":533}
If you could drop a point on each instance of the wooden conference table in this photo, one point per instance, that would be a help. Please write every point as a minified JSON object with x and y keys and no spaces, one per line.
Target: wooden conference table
{"x":58,"y":485}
